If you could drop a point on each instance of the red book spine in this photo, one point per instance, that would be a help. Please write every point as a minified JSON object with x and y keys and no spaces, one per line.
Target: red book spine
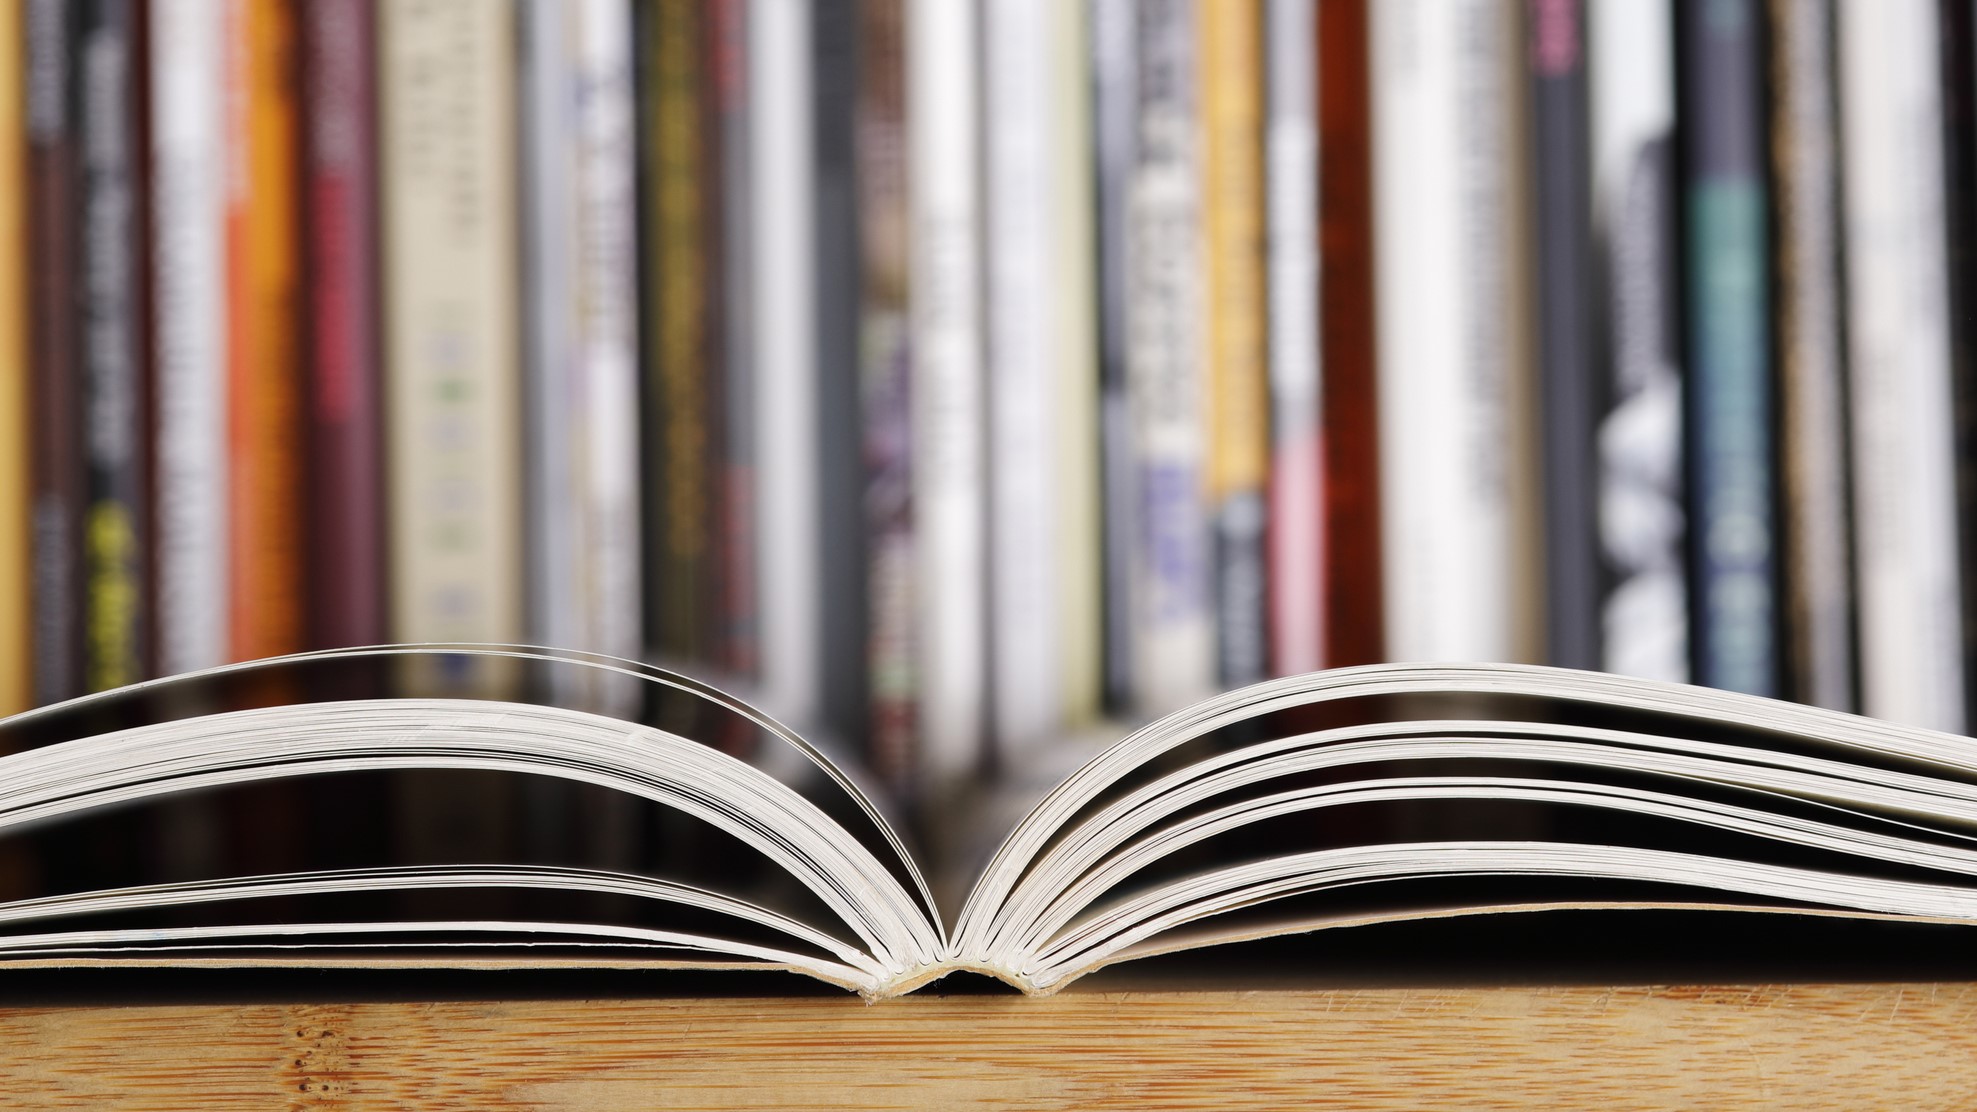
{"x":344,"y":519}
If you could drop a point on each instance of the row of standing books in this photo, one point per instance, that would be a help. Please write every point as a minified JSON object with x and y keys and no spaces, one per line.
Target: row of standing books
{"x":956,"y":375}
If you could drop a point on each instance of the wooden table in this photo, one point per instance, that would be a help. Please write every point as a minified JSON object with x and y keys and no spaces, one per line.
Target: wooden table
{"x":1803,"y":1046}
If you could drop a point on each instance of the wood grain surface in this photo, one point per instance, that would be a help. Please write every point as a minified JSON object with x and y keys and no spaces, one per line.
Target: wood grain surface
{"x":1802,"y":1046}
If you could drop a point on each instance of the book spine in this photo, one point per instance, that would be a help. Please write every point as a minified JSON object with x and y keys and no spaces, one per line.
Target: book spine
{"x":1818,"y":561}
{"x":447,"y":87}
{"x":1021,"y":378}
{"x":264,"y":419}
{"x":549,"y":98}
{"x":1297,"y":526}
{"x":1075,"y":353}
{"x":843,"y":602}
{"x":1727,"y":324}
{"x":607,"y":328}
{"x":1561,"y":169}
{"x":737,"y":614}
{"x":54,"y":159}
{"x":1230,"y":61}
{"x":116,"y":634}
{"x":676,"y":244}
{"x":1958,"y":40}
{"x":16,"y":413}
{"x":1449,"y":316}
{"x":1644,"y":616}
{"x":1173,"y":617}
{"x":1114,"y":113}
{"x":345,"y":559}
{"x":783,"y":271}
{"x":1348,"y":349}
{"x":1904,"y":466}
{"x":885,"y":377}
{"x":944,"y":305}
{"x":189,"y":294}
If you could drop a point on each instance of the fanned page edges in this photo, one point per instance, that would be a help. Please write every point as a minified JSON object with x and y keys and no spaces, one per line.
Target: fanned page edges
{"x":1260,"y":812}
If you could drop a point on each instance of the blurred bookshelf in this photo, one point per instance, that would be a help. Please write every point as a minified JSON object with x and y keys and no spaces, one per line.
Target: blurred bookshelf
{"x":969,"y":382}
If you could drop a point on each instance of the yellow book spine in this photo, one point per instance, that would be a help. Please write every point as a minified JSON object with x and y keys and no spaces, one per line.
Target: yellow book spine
{"x":15,"y":597}
{"x":1231,"y":68}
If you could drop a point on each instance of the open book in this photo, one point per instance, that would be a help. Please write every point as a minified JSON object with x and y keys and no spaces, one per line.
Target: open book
{"x":1351,"y":796}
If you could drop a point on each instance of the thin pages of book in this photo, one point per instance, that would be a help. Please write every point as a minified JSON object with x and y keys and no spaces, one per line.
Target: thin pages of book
{"x":1359,"y":795}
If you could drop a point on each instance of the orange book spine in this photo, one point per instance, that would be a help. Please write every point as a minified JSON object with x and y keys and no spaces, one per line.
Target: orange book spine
{"x":16,"y":673}
{"x":263,"y":421}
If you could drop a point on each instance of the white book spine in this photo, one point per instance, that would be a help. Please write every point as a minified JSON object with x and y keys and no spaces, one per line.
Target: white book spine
{"x":555,"y":517}
{"x":1440,"y":99}
{"x":606,"y":323}
{"x":1911,"y":654}
{"x":942,"y":121}
{"x":1173,"y":651}
{"x":1074,"y":235}
{"x":1022,"y":376}
{"x":1631,"y":86}
{"x":788,"y":491}
{"x":451,"y":345}
{"x":188,"y":198}
{"x":1297,"y":500}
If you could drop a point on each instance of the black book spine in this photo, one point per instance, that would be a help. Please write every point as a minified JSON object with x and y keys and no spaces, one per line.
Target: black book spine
{"x":1561,"y":170}
{"x":1727,"y":328}
{"x":1959,"y":77}
{"x":844,"y":606}
{"x":114,"y":537}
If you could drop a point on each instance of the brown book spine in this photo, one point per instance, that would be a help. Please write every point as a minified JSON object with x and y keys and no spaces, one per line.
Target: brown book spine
{"x":1346,"y":337}
{"x":737,"y":625}
{"x":264,"y":387}
{"x":340,"y":268}
{"x":679,"y":351}
{"x":880,"y":130}
{"x":54,"y":173}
